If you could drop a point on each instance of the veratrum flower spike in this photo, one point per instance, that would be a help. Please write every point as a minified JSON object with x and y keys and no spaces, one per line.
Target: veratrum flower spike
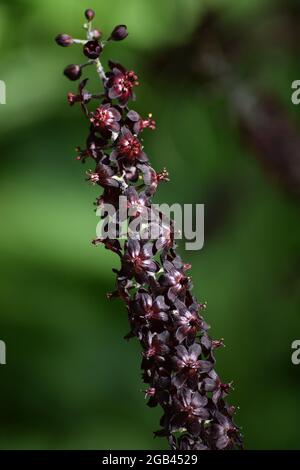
{"x":178,"y":355}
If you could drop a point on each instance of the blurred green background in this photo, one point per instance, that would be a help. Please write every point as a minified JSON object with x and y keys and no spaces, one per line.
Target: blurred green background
{"x":71,"y":381}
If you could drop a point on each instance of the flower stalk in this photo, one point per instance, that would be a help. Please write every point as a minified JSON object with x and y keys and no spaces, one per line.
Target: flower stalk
{"x":178,"y":355}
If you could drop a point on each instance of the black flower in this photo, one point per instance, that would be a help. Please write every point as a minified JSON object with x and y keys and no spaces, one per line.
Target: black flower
{"x":188,"y":365}
{"x":174,"y":280}
{"x":138,"y":260}
{"x":138,"y":124}
{"x":103,"y":175}
{"x":224,"y":433}
{"x":156,"y":346}
{"x":120,"y":84}
{"x":190,"y":411}
{"x":151,"y":309}
{"x":129,"y":147}
{"x":106,"y":117}
{"x":188,"y":321}
{"x":212,"y":383}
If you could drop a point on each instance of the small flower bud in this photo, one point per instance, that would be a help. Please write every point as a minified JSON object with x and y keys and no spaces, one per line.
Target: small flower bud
{"x":95,"y":34}
{"x":71,"y":98}
{"x":92,"y":49}
{"x":64,"y":40}
{"x":89,"y":14}
{"x":119,"y":33}
{"x":73,"y":72}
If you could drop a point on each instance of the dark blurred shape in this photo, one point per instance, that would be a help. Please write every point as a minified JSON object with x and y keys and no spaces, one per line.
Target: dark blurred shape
{"x":284,"y":25}
{"x":210,"y":38}
{"x":214,"y":56}
{"x":271,"y":133}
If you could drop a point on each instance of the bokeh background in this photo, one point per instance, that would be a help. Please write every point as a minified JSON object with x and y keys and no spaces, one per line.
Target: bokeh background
{"x":217,"y":76}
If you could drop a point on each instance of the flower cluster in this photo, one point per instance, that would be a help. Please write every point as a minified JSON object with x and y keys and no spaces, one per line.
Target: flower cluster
{"x":178,"y":355}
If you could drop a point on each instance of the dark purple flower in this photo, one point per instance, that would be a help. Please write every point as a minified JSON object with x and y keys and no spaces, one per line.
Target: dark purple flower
{"x":225,"y":434}
{"x":212,"y":383}
{"x":106,"y":117}
{"x":156,"y":346}
{"x":151,"y":309}
{"x":188,"y":321}
{"x":103,"y":175}
{"x":120,"y":84}
{"x":139,"y":123}
{"x":188,"y":365}
{"x":138,"y":259}
{"x":174,"y":280}
{"x":152,"y":178}
{"x":137,"y":203}
{"x":190,"y":411}
{"x":129,"y":147}
{"x":157,"y":394}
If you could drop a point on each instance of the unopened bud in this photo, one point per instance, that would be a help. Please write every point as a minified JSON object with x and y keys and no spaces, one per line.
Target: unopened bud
{"x":89,"y":14}
{"x":119,"y":33}
{"x":95,"y":34}
{"x":92,"y":49}
{"x":64,"y":40}
{"x":73,"y":72}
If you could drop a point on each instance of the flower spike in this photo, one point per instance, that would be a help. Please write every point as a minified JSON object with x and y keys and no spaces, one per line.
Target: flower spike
{"x":178,"y":355}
